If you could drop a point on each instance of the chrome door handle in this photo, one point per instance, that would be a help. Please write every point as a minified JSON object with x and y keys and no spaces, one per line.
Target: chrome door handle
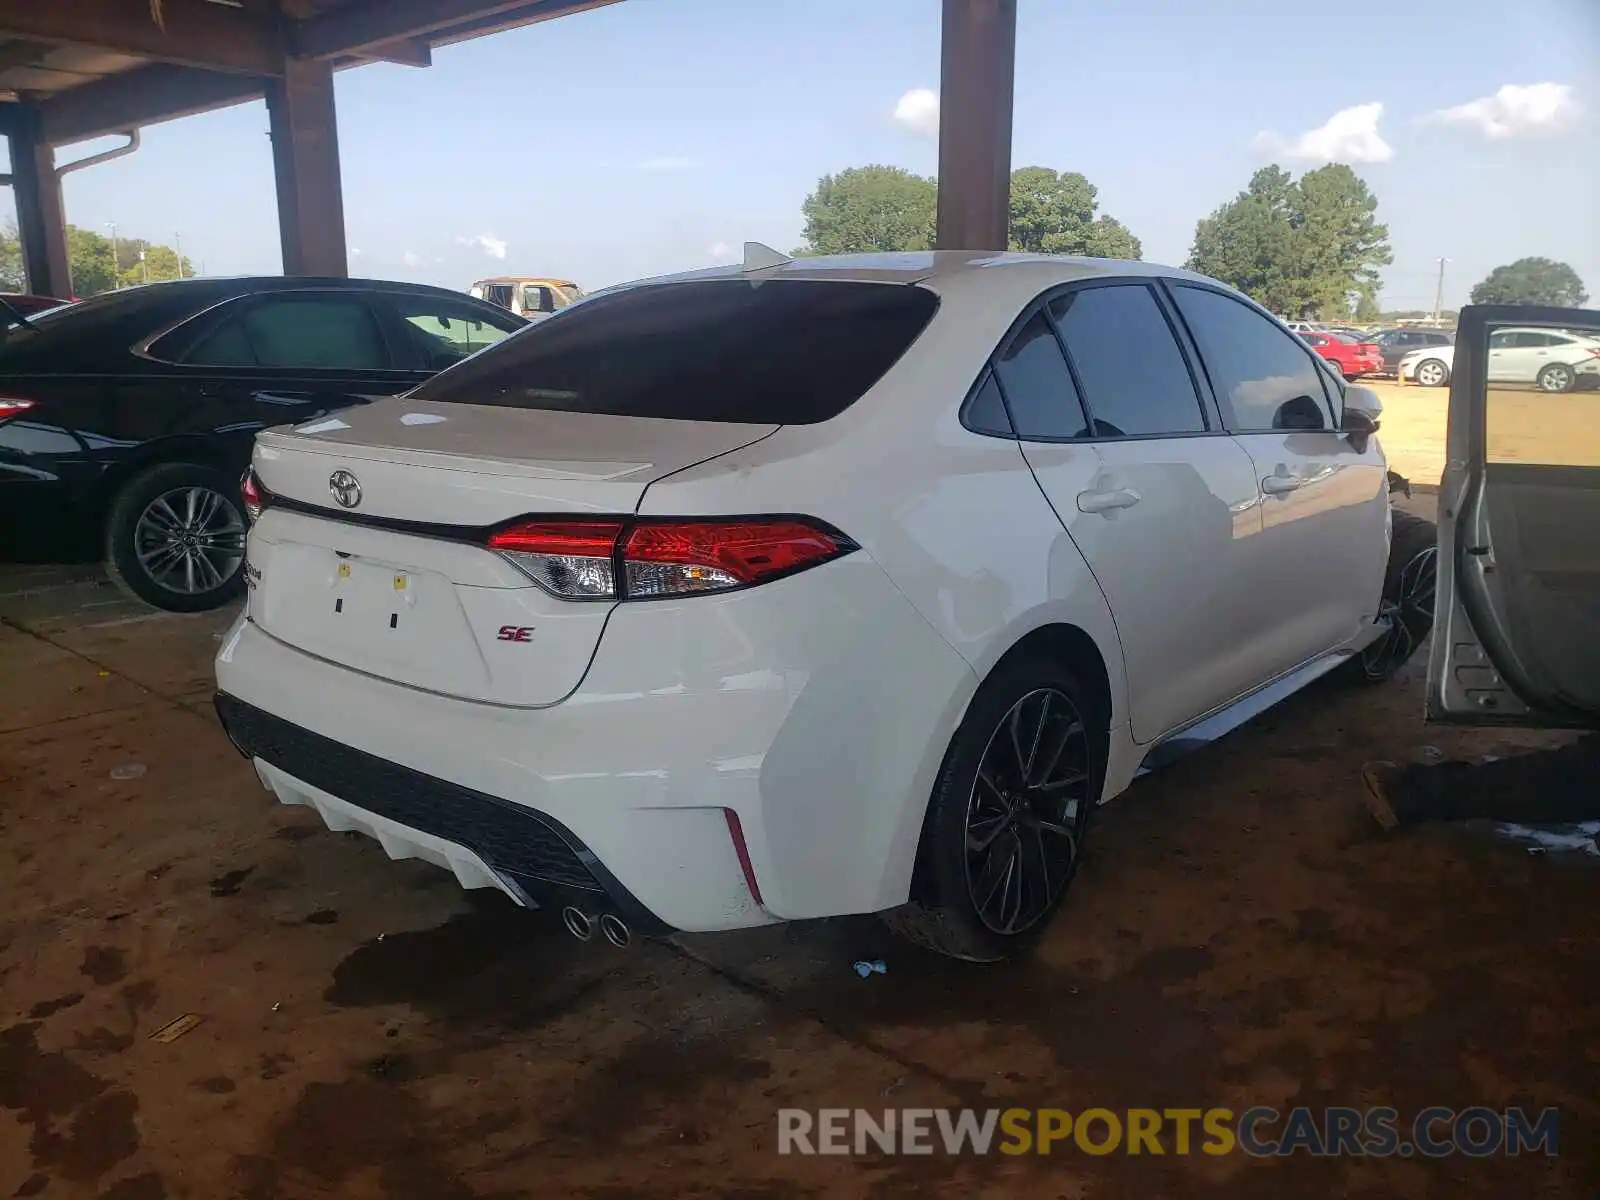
{"x":1107,"y":501}
{"x":1280,"y":485}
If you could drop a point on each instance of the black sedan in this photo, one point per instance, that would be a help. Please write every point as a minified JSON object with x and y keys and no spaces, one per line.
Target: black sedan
{"x":132,"y":413}
{"x":1397,"y":343}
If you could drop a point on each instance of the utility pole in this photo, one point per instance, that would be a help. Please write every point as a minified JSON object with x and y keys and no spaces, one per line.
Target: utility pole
{"x":116,"y":267}
{"x":178,"y":238}
{"x":1438,"y":295}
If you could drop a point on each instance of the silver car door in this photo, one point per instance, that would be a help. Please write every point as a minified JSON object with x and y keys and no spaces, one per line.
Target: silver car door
{"x":1516,"y":638}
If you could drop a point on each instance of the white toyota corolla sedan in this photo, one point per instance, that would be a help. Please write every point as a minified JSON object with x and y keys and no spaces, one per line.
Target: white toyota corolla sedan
{"x":803,"y":588}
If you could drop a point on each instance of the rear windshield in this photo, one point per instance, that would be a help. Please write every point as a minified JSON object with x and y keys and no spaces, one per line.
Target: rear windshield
{"x":785,"y":352}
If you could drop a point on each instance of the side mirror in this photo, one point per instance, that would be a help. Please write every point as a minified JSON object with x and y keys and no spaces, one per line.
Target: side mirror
{"x":1363,"y":411}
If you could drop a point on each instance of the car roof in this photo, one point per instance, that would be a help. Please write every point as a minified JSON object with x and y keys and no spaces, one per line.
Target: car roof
{"x":101,"y":328}
{"x":923,"y":266}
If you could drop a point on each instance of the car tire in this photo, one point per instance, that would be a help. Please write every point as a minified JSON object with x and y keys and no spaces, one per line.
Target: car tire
{"x":958,"y":908}
{"x":1556,"y":377}
{"x":1431,"y":372}
{"x":1409,"y":584}
{"x":175,"y":537}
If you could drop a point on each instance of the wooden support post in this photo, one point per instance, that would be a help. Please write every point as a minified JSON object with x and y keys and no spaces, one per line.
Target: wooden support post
{"x":41,"y":218}
{"x":305,"y":158}
{"x":978,"y":60}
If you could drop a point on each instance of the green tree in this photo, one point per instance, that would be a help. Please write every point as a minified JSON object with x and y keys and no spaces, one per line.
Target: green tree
{"x":90,"y":262}
{"x":1302,"y":248}
{"x":1532,"y":281}
{"x":140,"y":261}
{"x":1054,"y":213}
{"x":1250,"y":243}
{"x":887,"y":208}
{"x":1342,"y":242}
{"x":89,"y":258}
{"x":1367,"y":311}
{"x":870,"y":208}
{"x":12,"y":277}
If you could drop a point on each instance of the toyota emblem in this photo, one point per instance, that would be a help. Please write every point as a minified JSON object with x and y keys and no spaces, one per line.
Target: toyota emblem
{"x":346,"y":488}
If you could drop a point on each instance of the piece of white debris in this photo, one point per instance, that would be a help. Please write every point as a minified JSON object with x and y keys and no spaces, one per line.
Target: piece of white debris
{"x":1540,"y":839}
{"x":128,"y":771}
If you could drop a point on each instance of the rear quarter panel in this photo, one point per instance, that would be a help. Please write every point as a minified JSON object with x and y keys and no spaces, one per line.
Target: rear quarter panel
{"x":955,"y":520}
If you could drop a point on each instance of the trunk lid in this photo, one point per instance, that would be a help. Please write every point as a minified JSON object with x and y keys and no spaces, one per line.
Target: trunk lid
{"x":415,"y":598}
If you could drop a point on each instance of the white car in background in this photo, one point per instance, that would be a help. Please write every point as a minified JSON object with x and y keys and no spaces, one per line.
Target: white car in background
{"x":814,"y":587}
{"x":1553,"y":360}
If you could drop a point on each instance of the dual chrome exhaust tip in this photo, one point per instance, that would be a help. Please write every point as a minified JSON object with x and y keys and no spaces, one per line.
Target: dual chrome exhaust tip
{"x":582,"y":925}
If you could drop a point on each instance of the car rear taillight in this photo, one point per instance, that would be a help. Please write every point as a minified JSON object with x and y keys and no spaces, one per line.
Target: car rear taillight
{"x":255,"y":496}
{"x":14,"y":406}
{"x":625,"y":559}
{"x":575,"y":560}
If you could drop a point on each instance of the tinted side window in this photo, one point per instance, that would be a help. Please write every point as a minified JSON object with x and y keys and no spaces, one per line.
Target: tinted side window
{"x":225,"y":346}
{"x":986,"y":411}
{"x":1133,"y":375}
{"x":337,"y":333}
{"x":1269,"y":380}
{"x":1038,"y":387}
{"x":444,"y":332}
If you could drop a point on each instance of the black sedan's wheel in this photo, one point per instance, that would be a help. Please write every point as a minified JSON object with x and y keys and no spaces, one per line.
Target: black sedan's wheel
{"x":1557,"y":377}
{"x":1408,"y":597}
{"x":1008,"y":816}
{"x":176,"y":537}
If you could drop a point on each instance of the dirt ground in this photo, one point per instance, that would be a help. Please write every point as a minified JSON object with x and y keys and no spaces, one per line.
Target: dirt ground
{"x":1524,"y":426}
{"x":1238,"y":936}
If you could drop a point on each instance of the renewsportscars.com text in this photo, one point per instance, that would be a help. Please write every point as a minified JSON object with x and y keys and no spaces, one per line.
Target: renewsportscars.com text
{"x":1260,"y":1132}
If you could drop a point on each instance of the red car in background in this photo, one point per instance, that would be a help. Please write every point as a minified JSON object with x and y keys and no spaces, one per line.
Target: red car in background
{"x":1353,"y":358}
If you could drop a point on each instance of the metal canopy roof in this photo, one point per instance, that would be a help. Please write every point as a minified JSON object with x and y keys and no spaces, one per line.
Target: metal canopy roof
{"x":93,"y":67}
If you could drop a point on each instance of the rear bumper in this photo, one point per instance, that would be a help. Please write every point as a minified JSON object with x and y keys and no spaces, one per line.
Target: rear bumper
{"x":529,"y":855}
{"x":815,"y":709}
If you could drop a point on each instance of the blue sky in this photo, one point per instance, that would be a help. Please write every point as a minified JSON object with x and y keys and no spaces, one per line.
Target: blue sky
{"x":652,"y":135}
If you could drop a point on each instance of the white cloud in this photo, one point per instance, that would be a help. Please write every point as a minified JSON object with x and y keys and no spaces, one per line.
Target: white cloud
{"x":724,"y":253}
{"x":411,"y":258}
{"x":918,"y":112}
{"x":1349,"y":136}
{"x":666,"y":162}
{"x":492,"y":246}
{"x":1515,"y":110}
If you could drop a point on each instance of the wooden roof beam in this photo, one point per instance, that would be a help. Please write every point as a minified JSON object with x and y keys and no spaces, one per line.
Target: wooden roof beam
{"x":142,"y":96}
{"x":357,"y":29}
{"x":195,"y":33}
